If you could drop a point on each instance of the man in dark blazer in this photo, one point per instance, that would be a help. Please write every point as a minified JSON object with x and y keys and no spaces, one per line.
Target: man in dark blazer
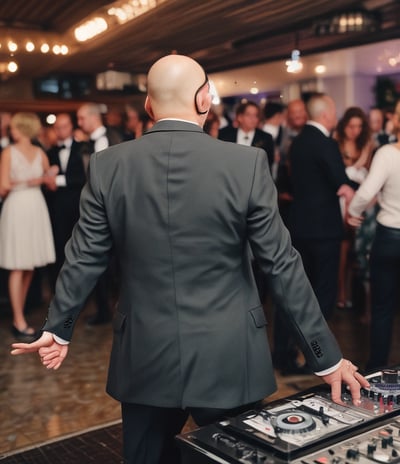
{"x":319,"y":179}
{"x":63,"y":197}
{"x":180,"y":207}
{"x":247,"y":132}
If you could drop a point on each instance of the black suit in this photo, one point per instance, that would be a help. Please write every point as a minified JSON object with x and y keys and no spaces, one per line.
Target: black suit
{"x":261,"y":139}
{"x":316,"y":222}
{"x":63,"y":203}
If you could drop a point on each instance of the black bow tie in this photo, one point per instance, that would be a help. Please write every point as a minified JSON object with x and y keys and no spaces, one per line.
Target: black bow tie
{"x":61,"y":147}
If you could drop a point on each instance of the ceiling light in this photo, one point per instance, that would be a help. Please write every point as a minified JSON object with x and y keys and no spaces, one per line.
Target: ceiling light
{"x":294,"y":65}
{"x":45,"y":48}
{"x":347,"y":22}
{"x":12,"y":46}
{"x":12,"y":67}
{"x":90,"y":29}
{"x":30,"y":46}
{"x":254,"y":90}
{"x":320,"y":69}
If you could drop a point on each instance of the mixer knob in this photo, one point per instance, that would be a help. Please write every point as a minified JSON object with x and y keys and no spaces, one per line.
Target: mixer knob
{"x":384,"y":442}
{"x":240,"y":450}
{"x":352,"y":453}
{"x":371,"y":448}
{"x":395,"y":454}
{"x":254,"y":456}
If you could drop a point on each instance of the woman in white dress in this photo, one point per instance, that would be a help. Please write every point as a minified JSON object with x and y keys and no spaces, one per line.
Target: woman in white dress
{"x":26,"y":239}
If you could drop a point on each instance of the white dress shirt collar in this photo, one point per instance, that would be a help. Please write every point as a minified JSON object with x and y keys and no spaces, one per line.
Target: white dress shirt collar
{"x":319,"y":126}
{"x":245,"y":138}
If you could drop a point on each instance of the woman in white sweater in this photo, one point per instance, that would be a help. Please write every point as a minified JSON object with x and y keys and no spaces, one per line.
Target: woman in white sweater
{"x":382,"y":181}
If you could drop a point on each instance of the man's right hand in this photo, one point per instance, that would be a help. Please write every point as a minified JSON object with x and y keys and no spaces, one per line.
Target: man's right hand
{"x":51,"y":353}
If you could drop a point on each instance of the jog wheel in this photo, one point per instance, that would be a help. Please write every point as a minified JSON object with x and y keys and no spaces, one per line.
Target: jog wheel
{"x":295,"y":422}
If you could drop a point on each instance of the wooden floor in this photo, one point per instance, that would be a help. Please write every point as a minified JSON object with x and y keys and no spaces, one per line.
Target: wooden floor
{"x":37,"y":405}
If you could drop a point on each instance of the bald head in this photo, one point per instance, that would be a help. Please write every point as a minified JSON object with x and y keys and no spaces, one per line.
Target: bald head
{"x":176,"y":84}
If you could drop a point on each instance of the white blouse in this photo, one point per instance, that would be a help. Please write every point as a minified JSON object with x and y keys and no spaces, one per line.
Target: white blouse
{"x":383,"y":179}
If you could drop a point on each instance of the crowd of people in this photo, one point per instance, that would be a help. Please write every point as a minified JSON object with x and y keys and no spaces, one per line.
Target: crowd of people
{"x":313,"y":160}
{"x":42,"y":172}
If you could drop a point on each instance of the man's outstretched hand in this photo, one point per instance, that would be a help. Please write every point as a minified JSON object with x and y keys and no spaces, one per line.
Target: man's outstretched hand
{"x":347,"y":373}
{"x":51,"y":353}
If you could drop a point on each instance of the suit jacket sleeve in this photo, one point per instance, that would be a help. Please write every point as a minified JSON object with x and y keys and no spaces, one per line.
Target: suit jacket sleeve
{"x":291,"y":290}
{"x":86,"y":258}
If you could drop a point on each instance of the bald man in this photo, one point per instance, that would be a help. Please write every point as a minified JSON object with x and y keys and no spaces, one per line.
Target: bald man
{"x":179,"y":209}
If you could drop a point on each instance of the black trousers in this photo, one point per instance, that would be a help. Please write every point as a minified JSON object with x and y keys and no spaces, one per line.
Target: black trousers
{"x":321,"y":263}
{"x":385,"y":280}
{"x":149,"y":431}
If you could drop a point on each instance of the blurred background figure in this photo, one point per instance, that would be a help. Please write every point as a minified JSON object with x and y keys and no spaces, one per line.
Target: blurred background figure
{"x":247,"y":132}
{"x":5,"y":135}
{"x":90,"y":120}
{"x":376,"y":125}
{"x":211,"y":126}
{"x":26,"y":240}
{"x":382,"y":182}
{"x":353,"y":135}
{"x":274,"y":118}
{"x":114,"y":118}
{"x":131,"y":121}
{"x":296,"y":118}
{"x":144,"y":124}
{"x":63,"y":194}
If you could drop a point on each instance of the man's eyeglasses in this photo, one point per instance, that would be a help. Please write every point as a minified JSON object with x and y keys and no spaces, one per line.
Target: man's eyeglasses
{"x":197,"y":91}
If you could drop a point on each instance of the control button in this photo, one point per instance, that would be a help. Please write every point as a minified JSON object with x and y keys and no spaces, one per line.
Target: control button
{"x":321,"y":460}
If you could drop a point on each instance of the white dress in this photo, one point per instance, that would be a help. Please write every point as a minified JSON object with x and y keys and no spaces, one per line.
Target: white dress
{"x":26,"y":239}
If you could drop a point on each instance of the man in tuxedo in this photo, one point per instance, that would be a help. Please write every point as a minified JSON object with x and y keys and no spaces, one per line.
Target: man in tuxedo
{"x":247,"y":132}
{"x":179,"y":208}
{"x":90,"y":120}
{"x":63,"y":196}
{"x":319,"y":179}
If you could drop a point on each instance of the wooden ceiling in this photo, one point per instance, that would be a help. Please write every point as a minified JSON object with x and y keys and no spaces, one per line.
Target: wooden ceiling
{"x":220,"y":34}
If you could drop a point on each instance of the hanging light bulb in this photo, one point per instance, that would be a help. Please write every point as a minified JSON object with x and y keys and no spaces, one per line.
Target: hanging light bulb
{"x":294,"y":65}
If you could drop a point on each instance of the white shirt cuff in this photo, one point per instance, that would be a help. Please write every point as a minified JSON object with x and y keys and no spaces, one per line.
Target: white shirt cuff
{"x":58,"y":339}
{"x":61,"y":180}
{"x":329,"y":370}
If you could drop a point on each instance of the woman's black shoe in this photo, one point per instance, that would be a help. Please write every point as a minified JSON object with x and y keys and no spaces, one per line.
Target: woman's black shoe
{"x":24,"y":335}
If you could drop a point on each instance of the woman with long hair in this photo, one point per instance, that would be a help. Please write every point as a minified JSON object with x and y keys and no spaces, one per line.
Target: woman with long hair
{"x":353,"y":135}
{"x":26,"y":240}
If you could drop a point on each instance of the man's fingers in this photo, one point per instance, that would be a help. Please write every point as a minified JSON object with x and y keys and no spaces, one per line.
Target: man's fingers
{"x":336,"y":390}
{"x":362,"y":380}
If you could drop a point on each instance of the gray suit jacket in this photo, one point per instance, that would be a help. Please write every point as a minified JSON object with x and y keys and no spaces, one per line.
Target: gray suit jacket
{"x":179,"y":208}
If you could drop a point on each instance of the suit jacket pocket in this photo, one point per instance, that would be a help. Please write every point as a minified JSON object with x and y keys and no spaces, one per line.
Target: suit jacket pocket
{"x":119,"y":321}
{"x":258,"y":316}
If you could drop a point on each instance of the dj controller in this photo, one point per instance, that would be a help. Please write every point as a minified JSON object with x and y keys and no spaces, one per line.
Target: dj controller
{"x":307,"y":428}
